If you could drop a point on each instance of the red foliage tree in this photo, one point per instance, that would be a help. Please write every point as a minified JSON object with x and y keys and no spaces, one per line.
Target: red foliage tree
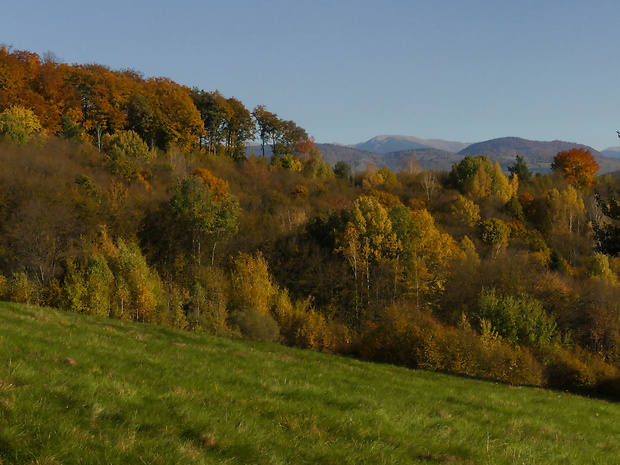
{"x":577,"y":165}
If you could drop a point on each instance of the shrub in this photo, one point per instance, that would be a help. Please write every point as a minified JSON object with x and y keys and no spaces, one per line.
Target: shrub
{"x":208,"y":303}
{"x":302,"y":326}
{"x":411,"y":337}
{"x":567,"y":371}
{"x":4,"y":288}
{"x":21,"y":289}
{"x":256,"y":326}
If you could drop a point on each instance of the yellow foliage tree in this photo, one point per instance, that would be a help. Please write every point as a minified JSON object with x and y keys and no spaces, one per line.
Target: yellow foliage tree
{"x":252,"y":285}
{"x":465,"y":211}
{"x":19,"y":124}
{"x":368,"y":238}
{"x":566,"y":210}
{"x":424,"y":250}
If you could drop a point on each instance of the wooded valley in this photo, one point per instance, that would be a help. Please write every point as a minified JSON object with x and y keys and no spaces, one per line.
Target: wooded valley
{"x":133,"y":198}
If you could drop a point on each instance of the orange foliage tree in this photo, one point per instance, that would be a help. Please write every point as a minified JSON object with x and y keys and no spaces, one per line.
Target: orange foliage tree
{"x":217,"y":186}
{"x":577,"y":165}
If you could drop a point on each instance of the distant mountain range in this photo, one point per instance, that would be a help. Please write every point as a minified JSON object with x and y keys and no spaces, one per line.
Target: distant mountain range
{"x":395,"y":152}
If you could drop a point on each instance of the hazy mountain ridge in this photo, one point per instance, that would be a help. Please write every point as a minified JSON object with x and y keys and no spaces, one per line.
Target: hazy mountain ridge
{"x":396,"y":143}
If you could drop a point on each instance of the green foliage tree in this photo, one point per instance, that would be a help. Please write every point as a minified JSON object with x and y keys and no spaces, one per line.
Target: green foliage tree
{"x":465,"y":170}
{"x":342,"y":170}
{"x":23,"y":290}
{"x":211,"y":106}
{"x":88,"y":287}
{"x":520,"y":170}
{"x":518,"y":320}
{"x":70,"y":130}
{"x":141,"y":116}
{"x":207,"y":219}
{"x":557,"y":262}
{"x":238,"y":127}
{"x":268,"y":126}
{"x":138,"y":289}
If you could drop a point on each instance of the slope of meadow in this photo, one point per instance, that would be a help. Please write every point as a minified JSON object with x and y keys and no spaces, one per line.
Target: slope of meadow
{"x":77,"y":389}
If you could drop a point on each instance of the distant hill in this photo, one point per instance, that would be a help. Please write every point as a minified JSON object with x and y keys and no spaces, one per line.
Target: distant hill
{"x":611,"y":152}
{"x":387,"y":144}
{"x":357,"y":159}
{"x":537,"y":154}
{"x":428,"y":158}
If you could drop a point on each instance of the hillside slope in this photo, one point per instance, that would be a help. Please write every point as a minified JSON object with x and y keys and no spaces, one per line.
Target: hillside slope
{"x":76,"y":389}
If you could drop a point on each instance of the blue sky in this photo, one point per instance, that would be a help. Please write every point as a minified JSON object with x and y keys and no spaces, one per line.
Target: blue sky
{"x":346,"y":71}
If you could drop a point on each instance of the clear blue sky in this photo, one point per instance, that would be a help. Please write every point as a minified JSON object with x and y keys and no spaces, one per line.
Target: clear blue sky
{"x":346,"y":71}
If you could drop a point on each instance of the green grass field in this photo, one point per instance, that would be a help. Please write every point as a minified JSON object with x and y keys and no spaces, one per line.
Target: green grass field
{"x":77,"y":389}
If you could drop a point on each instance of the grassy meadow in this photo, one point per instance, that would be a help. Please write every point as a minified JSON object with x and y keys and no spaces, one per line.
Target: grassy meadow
{"x":76,"y":389}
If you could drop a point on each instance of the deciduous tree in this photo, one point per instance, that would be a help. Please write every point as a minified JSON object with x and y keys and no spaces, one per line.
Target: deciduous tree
{"x":175,"y":117}
{"x":206,"y":219}
{"x":577,"y":165}
{"x":268,"y":125}
{"x":19,"y":125}
{"x":238,"y":127}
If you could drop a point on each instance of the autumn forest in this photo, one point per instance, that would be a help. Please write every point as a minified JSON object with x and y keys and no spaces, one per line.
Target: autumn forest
{"x":135,"y":198}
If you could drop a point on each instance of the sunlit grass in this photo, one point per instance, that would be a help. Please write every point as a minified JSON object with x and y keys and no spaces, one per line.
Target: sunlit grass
{"x":79,"y":389}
